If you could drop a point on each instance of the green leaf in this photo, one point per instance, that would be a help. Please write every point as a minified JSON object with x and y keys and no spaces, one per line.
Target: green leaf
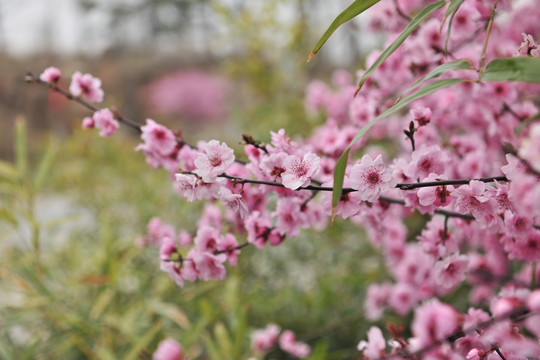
{"x":339,"y":175}
{"x":399,"y":40}
{"x":8,"y":216}
{"x":45,"y":165}
{"x":450,"y":11}
{"x":356,"y":8}
{"x":143,"y":341}
{"x":21,"y":155}
{"x":224,"y":340}
{"x":440,"y":70}
{"x":8,"y":172}
{"x":525,"y":68}
{"x":339,"y":171}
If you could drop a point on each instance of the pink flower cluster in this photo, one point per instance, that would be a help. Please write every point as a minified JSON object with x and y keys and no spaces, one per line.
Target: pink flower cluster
{"x":467,"y":170}
{"x":263,"y":340}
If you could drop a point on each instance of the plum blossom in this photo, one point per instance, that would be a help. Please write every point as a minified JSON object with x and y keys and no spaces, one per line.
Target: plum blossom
{"x":288,"y":343}
{"x":450,"y":271}
{"x":530,"y":147}
{"x":86,"y":85}
{"x":374,"y":347}
{"x":371,"y":178}
{"x":168,"y":349}
{"x":528,"y":47}
{"x":427,"y":160}
{"x":433,"y":321}
{"x":473,"y":199}
{"x":289,"y":217}
{"x":215,"y":160}
{"x":263,"y":340}
{"x":87,"y":123}
{"x":233,"y":202}
{"x":298,"y":172}
{"x":157,"y":138}
{"x":209,"y":266}
{"x":50,"y":75}
{"x":104,"y":121}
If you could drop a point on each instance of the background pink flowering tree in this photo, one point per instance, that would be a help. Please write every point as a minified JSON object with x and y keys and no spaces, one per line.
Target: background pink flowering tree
{"x":433,"y":150}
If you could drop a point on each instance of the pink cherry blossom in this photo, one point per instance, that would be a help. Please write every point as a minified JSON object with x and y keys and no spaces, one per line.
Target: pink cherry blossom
{"x":215,"y":160}
{"x":264,"y":339}
{"x":86,"y":85}
{"x":174,"y":270}
{"x":209,"y":266}
{"x":233,"y":202}
{"x":374,"y":347}
{"x":450,"y":271}
{"x":371,"y":178}
{"x":433,"y":321}
{"x":50,"y":75}
{"x":157,"y":138}
{"x":104,"y":121}
{"x":298,"y":172}
{"x":168,"y":349}
{"x":273,"y":166}
{"x":289,"y":217}
{"x":472,"y":199}
{"x":88,"y":123}
{"x":421,"y":115}
{"x":427,"y":160}
{"x":288,"y":343}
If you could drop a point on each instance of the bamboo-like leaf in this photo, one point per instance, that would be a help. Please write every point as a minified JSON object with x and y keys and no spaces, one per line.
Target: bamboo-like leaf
{"x":8,"y":216}
{"x":143,"y":341}
{"x":21,"y":155}
{"x":45,"y":165}
{"x":450,"y":11}
{"x":525,"y":68}
{"x":224,"y":340}
{"x":356,"y":8}
{"x":8,"y":172}
{"x":339,"y":170}
{"x":462,"y":64}
{"x":399,"y":40}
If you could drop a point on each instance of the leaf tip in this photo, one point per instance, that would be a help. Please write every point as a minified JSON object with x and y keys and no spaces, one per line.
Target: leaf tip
{"x":311,"y":55}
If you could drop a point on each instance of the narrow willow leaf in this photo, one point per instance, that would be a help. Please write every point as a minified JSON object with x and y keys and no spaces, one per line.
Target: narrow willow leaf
{"x":355,"y":9}
{"x":450,"y":11}
{"x":399,"y":40}
{"x":339,"y":170}
{"x":440,"y":70}
{"x":526,"y":69}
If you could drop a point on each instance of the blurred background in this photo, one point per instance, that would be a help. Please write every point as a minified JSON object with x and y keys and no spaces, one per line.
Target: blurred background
{"x":72,"y":204}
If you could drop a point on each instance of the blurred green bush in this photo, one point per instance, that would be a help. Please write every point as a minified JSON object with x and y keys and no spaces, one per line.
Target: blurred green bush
{"x":74,"y":285}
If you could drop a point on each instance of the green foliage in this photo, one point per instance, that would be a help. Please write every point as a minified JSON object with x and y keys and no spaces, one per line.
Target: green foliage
{"x":523,"y":68}
{"x":355,"y":9}
{"x":86,"y":292}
